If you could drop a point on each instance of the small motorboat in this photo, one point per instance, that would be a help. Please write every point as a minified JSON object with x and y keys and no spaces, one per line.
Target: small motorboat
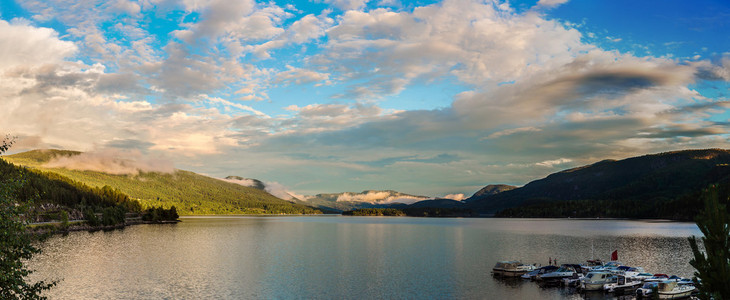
{"x":642,"y":276}
{"x":511,"y":268}
{"x":564,"y":271}
{"x":594,"y":281}
{"x":657,"y":278}
{"x":647,"y":289}
{"x":622,"y":285}
{"x":532,"y":275}
{"x":671,"y":289}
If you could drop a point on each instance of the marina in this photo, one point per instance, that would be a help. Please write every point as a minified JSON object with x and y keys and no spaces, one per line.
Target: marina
{"x":593,"y":277}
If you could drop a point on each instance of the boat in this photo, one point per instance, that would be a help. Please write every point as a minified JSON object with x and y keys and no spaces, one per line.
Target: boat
{"x":609,"y":266}
{"x":541,"y":270}
{"x":594,"y":281}
{"x":671,"y":289}
{"x":573,"y":281}
{"x":564,"y":271}
{"x":511,"y":268}
{"x":634,"y":271}
{"x":622,"y":285}
{"x":647,"y":289}
{"x":642,"y":276}
{"x":657,"y":278}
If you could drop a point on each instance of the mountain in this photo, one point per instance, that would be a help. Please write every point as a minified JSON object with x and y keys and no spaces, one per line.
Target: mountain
{"x":367,"y":199}
{"x":646,"y":186}
{"x":437,"y":203}
{"x":191,"y":193}
{"x":492,"y":189}
{"x":254,"y":183}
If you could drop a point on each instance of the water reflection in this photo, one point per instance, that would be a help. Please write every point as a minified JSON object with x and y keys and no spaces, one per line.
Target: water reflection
{"x":345,"y":257}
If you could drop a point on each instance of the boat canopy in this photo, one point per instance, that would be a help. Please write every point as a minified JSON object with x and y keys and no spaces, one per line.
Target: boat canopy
{"x":666,"y":286}
{"x":507,"y":264}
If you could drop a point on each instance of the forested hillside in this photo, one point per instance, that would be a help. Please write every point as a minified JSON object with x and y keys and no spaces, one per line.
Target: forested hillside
{"x":189,"y":192}
{"x":665,"y":185}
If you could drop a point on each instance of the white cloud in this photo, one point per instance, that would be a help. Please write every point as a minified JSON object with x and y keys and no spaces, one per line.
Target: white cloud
{"x":300,"y":76}
{"x":25,"y":45}
{"x":550,"y":3}
{"x":348,"y":4}
{"x":379,"y":197}
{"x":113,"y":162}
{"x":554,"y":162}
{"x":457,"y":197}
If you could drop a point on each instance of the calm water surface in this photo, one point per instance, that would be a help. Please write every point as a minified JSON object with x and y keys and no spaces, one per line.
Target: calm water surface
{"x":336,"y":257}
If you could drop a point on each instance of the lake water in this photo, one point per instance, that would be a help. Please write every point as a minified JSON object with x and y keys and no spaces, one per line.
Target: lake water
{"x":336,"y":257}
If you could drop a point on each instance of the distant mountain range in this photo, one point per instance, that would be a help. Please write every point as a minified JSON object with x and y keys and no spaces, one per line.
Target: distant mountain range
{"x":191,"y":193}
{"x":664,"y":185}
{"x":367,"y":199}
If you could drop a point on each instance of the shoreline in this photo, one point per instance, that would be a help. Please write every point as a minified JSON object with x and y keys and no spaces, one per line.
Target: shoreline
{"x":49,"y":228}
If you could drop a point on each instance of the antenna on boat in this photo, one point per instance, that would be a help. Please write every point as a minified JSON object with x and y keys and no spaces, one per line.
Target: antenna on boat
{"x":593,"y":257}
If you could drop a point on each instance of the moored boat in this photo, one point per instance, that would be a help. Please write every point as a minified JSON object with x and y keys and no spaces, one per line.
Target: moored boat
{"x":594,"y":281}
{"x":671,"y":289}
{"x":541,"y":270}
{"x":511,"y":268}
{"x":564,"y":271}
{"x":647,"y":289}
{"x":622,"y":285}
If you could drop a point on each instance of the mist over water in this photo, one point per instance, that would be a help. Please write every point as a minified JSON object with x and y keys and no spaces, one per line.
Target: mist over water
{"x":344,"y":257}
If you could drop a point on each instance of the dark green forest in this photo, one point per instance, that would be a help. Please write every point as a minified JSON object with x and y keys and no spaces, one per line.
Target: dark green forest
{"x":190,"y":193}
{"x":684,"y":207}
{"x":56,"y":197}
{"x":658,"y":186}
{"x":412,"y":212}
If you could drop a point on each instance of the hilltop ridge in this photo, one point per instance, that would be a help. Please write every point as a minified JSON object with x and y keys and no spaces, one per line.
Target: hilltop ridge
{"x":191,"y":193}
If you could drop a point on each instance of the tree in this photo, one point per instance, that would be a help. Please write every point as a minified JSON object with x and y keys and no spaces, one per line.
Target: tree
{"x":713,"y":265}
{"x":15,"y":242}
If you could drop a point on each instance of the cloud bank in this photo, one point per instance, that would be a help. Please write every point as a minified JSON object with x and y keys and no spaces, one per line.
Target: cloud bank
{"x":112,"y":162}
{"x":344,"y":98}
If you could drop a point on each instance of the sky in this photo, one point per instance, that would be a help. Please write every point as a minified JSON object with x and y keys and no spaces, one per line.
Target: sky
{"x":429,"y":98}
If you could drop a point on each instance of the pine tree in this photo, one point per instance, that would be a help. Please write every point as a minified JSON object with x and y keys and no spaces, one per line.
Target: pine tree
{"x":15,"y":242}
{"x":713,"y":265}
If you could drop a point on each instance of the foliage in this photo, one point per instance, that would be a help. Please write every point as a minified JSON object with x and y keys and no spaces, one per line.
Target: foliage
{"x":54,"y":188}
{"x":91,"y":218}
{"x":411,"y":211}
{"x":665,"y":185}
{"x":190,"y":193}
{"x":112,"y":215}
{"x":713,"y":265}
{"x":374,"y":212}
{"x":16,"y":244}
{"x":438,"y":212}
{"x":159,"y":214}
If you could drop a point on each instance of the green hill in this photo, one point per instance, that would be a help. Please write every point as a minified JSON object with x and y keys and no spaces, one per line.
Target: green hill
{"x":190,"y":193}
{"x":664,"y":185}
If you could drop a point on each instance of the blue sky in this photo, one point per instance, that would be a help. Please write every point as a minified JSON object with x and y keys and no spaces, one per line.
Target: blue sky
{"x":426,"y":97}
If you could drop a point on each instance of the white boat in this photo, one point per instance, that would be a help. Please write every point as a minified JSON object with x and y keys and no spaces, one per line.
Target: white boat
{"x":671,"y":289}
{"x":511,"y":268}
{"x":564,"y":271}
{"x":609,"y":266}
{"x":594,"y":281}
{"x":542,"y":270}
{"x":647,"y":289}
{"x":629,"y":271}
{"x":642,"y":276}
{"x":573,"y":281}
{"x":623,"y":284}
